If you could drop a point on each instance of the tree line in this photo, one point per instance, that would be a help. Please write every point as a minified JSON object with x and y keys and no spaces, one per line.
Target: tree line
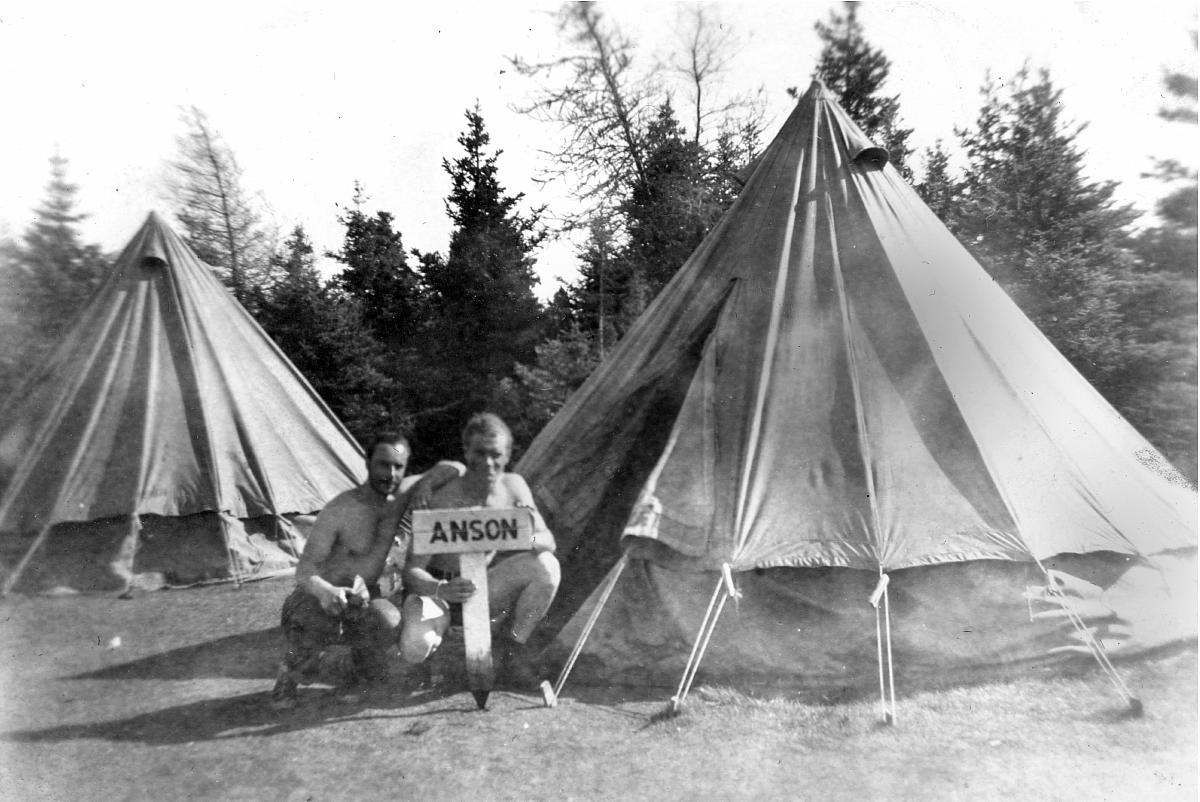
{"x":405,"y":339}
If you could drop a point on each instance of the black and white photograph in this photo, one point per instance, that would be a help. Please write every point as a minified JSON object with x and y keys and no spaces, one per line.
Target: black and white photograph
{"x":598,"y":401}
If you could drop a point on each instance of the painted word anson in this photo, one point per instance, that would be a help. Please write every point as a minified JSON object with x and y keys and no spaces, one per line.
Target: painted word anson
{"x":471,"y":529}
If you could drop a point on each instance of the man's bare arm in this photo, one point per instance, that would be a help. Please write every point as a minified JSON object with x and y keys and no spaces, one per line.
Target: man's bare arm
{"x":418,"y":580}
{"x":543,"y":538}
{"x":319,"y":545}
{"x":418,"y":489}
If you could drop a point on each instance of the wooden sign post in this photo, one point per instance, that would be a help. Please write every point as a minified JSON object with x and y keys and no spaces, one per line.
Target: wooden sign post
{"x":472,"y":533}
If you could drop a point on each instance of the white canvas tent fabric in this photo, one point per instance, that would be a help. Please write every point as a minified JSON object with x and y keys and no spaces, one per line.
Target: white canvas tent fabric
{"x":167,"y":441}
{"x":831,"y":381}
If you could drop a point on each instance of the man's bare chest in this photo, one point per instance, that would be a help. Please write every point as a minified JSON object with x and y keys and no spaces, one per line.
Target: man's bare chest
{"x":357,"y":531}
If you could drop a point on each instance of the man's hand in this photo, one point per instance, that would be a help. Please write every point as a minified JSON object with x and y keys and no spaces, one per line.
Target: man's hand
{"x":457,"y":590}
{"x":359,"y":595}
{"x":333,"y":599}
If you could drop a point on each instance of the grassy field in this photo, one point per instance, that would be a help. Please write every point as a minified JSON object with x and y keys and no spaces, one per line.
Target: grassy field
{"x":165,"y":697}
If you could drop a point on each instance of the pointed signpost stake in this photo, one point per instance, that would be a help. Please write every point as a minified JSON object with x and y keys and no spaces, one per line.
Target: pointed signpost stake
{"x":473,"y":533}
{"x":477,"y":627}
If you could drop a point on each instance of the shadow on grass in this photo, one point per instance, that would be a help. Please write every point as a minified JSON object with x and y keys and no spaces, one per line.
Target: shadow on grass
{"x":248,"y":715}
{"x":250,"y":655}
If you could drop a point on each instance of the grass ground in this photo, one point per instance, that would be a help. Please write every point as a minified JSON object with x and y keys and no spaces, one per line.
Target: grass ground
{"x":177,"y":708}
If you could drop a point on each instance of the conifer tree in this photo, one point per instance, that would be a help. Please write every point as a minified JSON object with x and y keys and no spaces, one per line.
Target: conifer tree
{"x":595,"y":300}
{"x":60,"y":271}
{"x":483,"y":291}
{"x":1161,"y":301}
{"x":938,"y":187}
{"x":671,"y":210}
{"x":1171,"y":245}
{"x":483,"y":317}
{"x":221,"y":221}
{"x":324,"y":335}
{"x":1056,"y":241}
{"x":377,"y":273}
{"x":856,"y":72}
{"x":630,"y":159}
{"x":594,"y":93}
{"x":529,"y":399}
{"x":50,"y":274}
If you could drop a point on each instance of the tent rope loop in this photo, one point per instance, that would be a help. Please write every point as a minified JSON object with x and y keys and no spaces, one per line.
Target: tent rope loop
{"x":731,"y":590}
{"x":235,"y":568}
{"x":883,"y":636}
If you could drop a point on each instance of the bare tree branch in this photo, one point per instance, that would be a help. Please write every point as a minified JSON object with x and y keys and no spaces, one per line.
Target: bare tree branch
{"x":599,"y":104}
{"x":221,"y":223}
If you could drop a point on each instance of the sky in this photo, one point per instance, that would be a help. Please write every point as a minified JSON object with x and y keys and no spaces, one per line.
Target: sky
{"x":313,"y":97}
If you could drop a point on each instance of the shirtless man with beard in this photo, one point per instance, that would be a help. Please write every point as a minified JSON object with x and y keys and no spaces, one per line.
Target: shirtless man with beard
{"x":337,"y":597}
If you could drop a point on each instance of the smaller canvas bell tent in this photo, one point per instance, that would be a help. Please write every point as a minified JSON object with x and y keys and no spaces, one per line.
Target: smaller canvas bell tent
{"x":831,"y":405}
{"x":167,"y":441}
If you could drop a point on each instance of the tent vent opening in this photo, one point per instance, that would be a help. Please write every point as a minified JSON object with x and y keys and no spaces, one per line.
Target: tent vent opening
{"x":872,"y":158}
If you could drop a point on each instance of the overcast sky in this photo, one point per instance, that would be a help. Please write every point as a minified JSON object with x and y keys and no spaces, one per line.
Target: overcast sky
{"x":311,"y":97}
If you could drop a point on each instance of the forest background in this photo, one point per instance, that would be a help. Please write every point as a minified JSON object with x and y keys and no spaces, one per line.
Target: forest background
{"x":397,"y":337}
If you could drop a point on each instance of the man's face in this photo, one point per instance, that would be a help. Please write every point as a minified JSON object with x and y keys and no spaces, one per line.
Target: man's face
{"x":487,"y":454}
{"x":385,"y":468}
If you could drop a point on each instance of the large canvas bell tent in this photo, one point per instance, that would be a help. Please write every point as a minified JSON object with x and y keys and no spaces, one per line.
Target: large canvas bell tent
{"x":831,"y":390}
{"x":168,"y":441}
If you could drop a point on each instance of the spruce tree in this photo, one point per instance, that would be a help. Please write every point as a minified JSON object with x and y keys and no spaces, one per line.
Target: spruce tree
{"x":535,"y":393}
{"x":324,"y":335}
{"x":938,"y":188}
{"x":483,"y":317}
{"x":1056,"y":241}
{"x":597,"y":298}
{"x":483,"y":291}
{"x":1161,"y":302}
{"x":671,"y":210}
{"x":49,"y":276}
{"x":856,"y":72}
{"x":377,"y":273}
{"x":60,"y":271}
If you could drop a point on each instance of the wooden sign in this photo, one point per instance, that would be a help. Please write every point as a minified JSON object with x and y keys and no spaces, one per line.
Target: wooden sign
{"x":471,"y":533}
{"x":472,"y":529}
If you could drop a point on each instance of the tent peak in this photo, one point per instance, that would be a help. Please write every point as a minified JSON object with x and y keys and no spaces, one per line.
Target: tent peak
{"x":151,"y":244}
{"x":863,"y":151}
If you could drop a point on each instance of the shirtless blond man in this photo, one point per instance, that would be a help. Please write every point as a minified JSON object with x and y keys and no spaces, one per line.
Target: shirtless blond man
{"x":337,"y":597}
{"x":521,"y":585}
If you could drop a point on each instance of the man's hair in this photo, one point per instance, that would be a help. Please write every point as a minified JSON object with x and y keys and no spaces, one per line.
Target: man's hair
{"x":486,"y":424}
{"x":387,"y":438}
